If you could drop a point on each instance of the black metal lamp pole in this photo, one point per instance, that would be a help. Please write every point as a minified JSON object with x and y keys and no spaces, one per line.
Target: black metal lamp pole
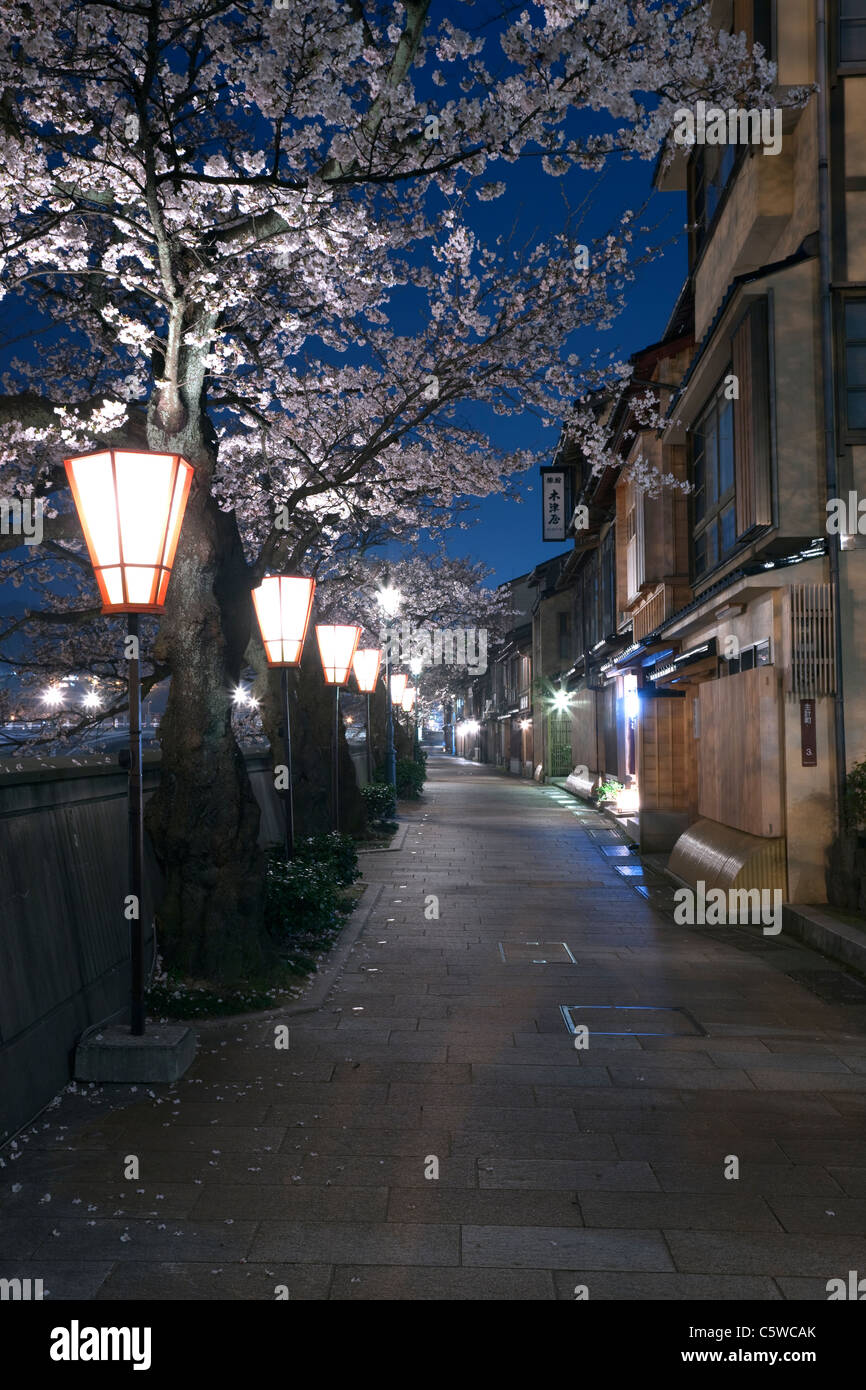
{"x":369,"y":745}
{"x":336,"y":757}
{"x":288,"y":801}
{"x":136,"y":833}
{"x":390,"y":754}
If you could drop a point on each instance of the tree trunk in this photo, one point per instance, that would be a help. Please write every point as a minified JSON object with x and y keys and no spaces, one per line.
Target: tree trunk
{"x":204,"y":819}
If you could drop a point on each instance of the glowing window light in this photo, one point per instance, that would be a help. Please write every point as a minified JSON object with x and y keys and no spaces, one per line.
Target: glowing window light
{"x":365,"y":664}
{"x":130,"y":504}
{"x":337,"y":644}
{"x":283,"y":603}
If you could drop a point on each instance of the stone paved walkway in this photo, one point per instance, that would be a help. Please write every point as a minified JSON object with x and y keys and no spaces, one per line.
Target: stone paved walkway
{"x":557,"y":1167}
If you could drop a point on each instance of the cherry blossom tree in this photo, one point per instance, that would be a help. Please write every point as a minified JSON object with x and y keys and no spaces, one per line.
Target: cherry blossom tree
{"x":248,"y":234}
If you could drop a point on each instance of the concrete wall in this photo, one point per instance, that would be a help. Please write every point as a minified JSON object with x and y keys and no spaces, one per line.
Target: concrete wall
{"x":64,"y":945}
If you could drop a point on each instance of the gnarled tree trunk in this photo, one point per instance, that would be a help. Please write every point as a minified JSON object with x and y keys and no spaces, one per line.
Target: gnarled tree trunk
{"x":204,"y":818}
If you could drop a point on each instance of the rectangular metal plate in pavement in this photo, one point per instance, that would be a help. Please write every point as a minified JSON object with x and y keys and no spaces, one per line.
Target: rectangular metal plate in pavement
{"x":536,"y":953}
{"x":632,"y":1020}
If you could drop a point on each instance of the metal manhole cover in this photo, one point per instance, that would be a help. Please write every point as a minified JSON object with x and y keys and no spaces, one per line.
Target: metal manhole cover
{"x":833,"y":986}
{"x":535,"y":953}
{"x":632,"y":1020}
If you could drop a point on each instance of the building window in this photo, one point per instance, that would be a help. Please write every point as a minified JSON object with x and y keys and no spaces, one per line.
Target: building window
{"x":715,"y":525}
{"x":854,"y":387}
{"x":852,"y":31}
{"x":764,"y":28}
{"x":711,"y":170}
{"x":759,"y":654}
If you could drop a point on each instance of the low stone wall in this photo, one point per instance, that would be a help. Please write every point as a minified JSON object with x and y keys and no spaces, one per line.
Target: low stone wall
{"x":64,"y":945}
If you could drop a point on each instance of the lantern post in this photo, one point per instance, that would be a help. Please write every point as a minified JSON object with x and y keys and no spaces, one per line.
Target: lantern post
{"x":283,"y":603}
{"x":131,"y":503}
{"x":337,"y":646}
{"x":365,"y":664}
{"x":389,"y":600}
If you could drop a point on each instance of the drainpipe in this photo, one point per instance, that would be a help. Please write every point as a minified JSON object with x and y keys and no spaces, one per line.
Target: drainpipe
{"x":826,"y":273}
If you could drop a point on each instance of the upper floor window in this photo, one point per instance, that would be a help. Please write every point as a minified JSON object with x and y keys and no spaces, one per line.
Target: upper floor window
{"x":764,"y":27}
{"x":710,"y":172}
{"x":715,"y":524}
{"x":854,"y":366}
{"x":852,"y":31}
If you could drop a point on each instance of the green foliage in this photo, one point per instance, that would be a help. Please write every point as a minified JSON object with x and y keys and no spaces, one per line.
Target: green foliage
{"x":334,"y":850}
{"x":855,"y":795}
{"x":172,"y":997}
{"x":306,"y":904}
{"x":380,"y":800}
{"x":411,"y":776}
{"x":607,"y":790}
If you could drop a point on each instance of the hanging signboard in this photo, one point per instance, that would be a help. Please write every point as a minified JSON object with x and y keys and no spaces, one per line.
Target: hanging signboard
{"x":555,"y":512}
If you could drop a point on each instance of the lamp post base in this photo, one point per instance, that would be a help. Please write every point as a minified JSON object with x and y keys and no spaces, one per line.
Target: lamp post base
{"x":115,"y":1054}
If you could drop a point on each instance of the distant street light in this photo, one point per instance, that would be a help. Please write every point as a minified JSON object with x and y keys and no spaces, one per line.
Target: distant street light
{"x":337,"y":646}
{"x":365,"y":664}
{"x":283,"y":603}
{"x":408,"y":703}
{"x":131,"y":503}
{"x":389,"y":600}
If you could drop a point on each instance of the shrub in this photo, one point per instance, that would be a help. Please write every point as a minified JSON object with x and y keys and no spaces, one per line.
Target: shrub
{"x":380,"y":800}
{"x":855,"y":795}
{"x":411,"y":776}
{"x":302,"y":901}
{"x":334,"y":850}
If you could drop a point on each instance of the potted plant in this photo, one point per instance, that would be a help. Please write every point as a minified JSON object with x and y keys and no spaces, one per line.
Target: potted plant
{"x":607,"y":791}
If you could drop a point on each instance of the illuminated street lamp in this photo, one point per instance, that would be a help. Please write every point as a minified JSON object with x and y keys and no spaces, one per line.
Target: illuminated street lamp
{"x":389,"y":600}
{"x":365,"y":664}
{"x":337,"y":646}
{"x":408,"y":703}
{"x":131,"y":503}
{"x":398,"y":688}
{"x":283,"y":603}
